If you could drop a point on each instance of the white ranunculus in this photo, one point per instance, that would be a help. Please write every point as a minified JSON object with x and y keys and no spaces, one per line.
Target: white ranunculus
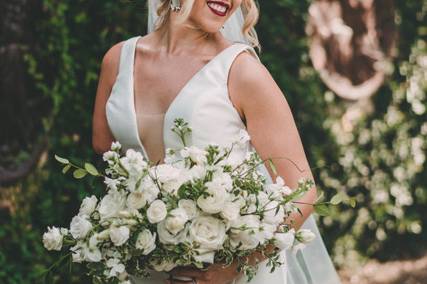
{"x":284,"y":241}
{"x":136,"y":200}
{"x":221,"y":179}
{"x":189,"y":206}
{"x":231,"y":211}
{"x":166,"y":237}
{"x":52,"y":239}
{"x":157,"y":211}
{"x":196,"y":154}
{"x":92,"y":254}
{"x":146,"y":241}
{"x":268,"y":230}
{"x":119,"y":235}
{"x":111,"y":204}
{"x":208,"y":232}
{"x":163,"y":266}
{"x":305,"y":236}
{"x":272,"y":215}
{"x":216,"y":199}
{"x":88,"y":205}
{"x":245,"y":232}
{"x":80,"y":227}
{"x":176,"y":220}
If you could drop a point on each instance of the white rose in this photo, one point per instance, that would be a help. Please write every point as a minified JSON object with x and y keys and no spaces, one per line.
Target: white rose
{"x":284,"y":241}
{"x":231,"y":211}
{"x":278,"y":189}
{"x":92,"y":254}
{"x":189,"y":206}
{"x":268,"y":230}
{"x":161,"y":266}
{"x":80,"y":227}
{"x":119,"y":235}
{"x":166,"y":237}
{"x":111,"y":204}
{"x":136,"y":200}
{"x":215,"y":200}
{"x":157,"y":211}
{"x":146,"y":241}
{"x":88,"y":205}
{"x":176,"y":220}
{"x":305,"y":236}
{"x":245,"y":232}
{"x":208,"y":232}
{"x":111,"y":183}
{"x":52,"y":239}
{"x":196,"y":172}
{"x":196,"y":155}
{"x":221,"y":179}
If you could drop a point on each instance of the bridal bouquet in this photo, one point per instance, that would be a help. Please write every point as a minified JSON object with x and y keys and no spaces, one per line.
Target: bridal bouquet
{"x":201,"y":206}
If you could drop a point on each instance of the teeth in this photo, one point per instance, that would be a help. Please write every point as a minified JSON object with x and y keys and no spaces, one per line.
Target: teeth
{"x":217,"y":7}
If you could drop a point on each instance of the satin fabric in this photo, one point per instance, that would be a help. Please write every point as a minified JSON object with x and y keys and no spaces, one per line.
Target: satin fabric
{"x":205,"y":104}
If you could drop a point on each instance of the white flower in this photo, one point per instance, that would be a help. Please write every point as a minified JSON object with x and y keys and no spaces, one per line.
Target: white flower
{"x":110,"y":157}
{"x":82,"y":252}
{"x":272,"y":215}
{"x":278,"y":189}
{"x":196,"y":155}
{"x":305,"y":236}
{"x":119,"y":235}
{"x":111,"y":183}
{"x":215,"y":201}
{"x":189,"y":206}
{"x":284,"y":241}
{"x":111,"y":204}
{"x":231,"y":211}
{"x":88,"y":205}
{"x":203,"y":255}
{"x":80,"y":227}
{"x":136,"y":200}
{"x":157,"y":211}
{"x":221,"y":179}
{"x":176,"y":220}
{"x":170,"y":177}
{"x":116,"y":146}
{"x":166,"y":237}
{"x":163,"y":265}
{"x":116,"y":267}
{"x":245,"y":232}
{"x":208,"y":232}
{"x":146,"y":242}
{"x":52,"y":239}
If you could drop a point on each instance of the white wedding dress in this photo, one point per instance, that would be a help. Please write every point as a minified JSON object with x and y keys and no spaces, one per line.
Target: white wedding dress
{"x":205,"y":104}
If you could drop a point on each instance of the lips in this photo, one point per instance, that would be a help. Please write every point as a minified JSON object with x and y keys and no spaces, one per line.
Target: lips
{"x":219,"y":8}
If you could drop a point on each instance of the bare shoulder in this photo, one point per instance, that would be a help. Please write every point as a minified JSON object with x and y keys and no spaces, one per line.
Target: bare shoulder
{"x":110,"y":62}
{"x":251,"y":82}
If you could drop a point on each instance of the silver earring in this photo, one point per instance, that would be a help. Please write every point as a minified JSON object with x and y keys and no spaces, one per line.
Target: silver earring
{"x":175,"y":5}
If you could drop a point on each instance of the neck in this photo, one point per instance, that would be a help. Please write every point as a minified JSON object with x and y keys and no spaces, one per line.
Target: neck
{"x":177,"y":36}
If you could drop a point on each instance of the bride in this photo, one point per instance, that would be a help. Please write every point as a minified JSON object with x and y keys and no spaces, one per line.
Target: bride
{"x":198,"y":62}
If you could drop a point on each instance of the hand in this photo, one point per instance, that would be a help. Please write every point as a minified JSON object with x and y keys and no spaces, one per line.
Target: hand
{"x":214,"y":274}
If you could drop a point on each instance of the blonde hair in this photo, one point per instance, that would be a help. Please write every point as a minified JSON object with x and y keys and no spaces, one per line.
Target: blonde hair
{"x":249,"y":8}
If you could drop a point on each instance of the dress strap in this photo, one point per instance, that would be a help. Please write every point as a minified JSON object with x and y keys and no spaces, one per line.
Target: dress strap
{"x":127,"y":56}
{"x":234,"y":51}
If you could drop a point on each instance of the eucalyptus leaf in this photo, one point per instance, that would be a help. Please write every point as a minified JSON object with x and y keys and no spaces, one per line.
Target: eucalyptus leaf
{"x":91,"y":169}
{"x":322,"y":209}
{"x":79,"y":173}
{"x":61,"y":160}
{"x":66,"y":168}
{"x":337,"y":199}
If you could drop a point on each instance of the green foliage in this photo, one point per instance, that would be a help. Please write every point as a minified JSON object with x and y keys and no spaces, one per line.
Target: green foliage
{"x":72,"y":37}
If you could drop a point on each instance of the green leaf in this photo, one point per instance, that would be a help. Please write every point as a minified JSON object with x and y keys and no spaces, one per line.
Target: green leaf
{"x":79,"y":173}
{"x":273,"y":167}
{"x":66,"y":168}
{"x":337,"y":199}
{"x":61,"y":160}
{"x":352,"y":202}
{"x":322,"y":209}
{"x":91,"y":169}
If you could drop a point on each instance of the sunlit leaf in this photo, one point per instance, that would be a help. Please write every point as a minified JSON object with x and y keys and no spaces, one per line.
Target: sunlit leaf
{"x":79,"y":173}
{"x":61,"y":160}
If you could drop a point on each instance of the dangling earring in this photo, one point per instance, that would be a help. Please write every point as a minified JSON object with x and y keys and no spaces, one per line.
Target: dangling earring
{"x":175,"y":5}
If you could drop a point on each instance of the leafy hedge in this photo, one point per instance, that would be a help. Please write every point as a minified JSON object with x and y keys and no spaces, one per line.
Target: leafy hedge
{"x":64,"y":62}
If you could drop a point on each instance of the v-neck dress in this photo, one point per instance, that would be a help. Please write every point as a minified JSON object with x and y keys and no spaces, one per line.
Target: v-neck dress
{"x":205,"y":104}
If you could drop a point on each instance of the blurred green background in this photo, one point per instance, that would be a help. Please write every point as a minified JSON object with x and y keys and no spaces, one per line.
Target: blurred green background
{"x":51,"y":53}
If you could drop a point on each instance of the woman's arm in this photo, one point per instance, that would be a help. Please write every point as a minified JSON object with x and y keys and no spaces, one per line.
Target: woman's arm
{"x":273,"y":132}
{"x":271,"y":125}
{"x":101,"y":133}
